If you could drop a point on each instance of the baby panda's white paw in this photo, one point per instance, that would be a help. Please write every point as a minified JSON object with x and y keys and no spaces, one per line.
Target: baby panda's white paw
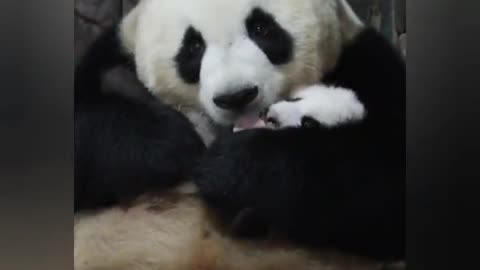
{"x":317,"y":105}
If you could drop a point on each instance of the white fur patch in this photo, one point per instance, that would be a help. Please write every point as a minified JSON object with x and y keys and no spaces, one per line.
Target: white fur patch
{"x":203,"y":125}
{"x":330,"y":106}
{"x":176,"y":232}
{"x":226,"y":70}
{"x":154,"y":30}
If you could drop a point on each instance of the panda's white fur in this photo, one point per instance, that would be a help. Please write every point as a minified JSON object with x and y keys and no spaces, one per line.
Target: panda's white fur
{"x":330,"y":106}
{"x":153,"y":32}
{"x":176,"y":230}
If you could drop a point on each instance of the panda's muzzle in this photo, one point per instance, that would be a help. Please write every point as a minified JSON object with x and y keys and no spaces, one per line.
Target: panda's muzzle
{"x":238,"y":100}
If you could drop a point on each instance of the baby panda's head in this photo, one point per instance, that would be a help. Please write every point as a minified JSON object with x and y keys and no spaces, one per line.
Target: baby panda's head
{"x":233,"y":59}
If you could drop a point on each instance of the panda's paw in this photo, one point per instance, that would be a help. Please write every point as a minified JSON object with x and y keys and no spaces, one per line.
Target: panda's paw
{"x":316,"y":105}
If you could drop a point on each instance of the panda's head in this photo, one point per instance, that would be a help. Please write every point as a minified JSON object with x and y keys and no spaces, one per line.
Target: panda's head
{"x":234,"y":58}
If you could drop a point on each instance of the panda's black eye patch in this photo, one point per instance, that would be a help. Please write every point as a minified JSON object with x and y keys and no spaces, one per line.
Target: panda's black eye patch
{"x":274,"y":41}
{"x":189,"y":57}
{"x":309,"y":122}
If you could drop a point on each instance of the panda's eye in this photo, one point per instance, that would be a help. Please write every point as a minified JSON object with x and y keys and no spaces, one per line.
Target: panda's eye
{"x":193,"y":43}
{"x":261,"y":29}
{"x":269,"y":36}
{"x":293,"y":99}
{"x":196,"y":47}
{"x":309,"y":122}
{"x":189,"y":58}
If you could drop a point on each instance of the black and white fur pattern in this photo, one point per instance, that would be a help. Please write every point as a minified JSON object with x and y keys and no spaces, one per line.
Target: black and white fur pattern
{"x":188,"y":57}
{"x":124,"y":146}
{"x":340,"y":186}
{"x":337,"y":185}
{"x":317,"y":105}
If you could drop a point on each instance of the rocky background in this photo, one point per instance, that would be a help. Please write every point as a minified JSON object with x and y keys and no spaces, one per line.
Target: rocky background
{"x":92,"y":16}
{"x":387,"y":16}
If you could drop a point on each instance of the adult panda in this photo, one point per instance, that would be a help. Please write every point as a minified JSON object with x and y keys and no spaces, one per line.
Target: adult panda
{"x":337,"y":185}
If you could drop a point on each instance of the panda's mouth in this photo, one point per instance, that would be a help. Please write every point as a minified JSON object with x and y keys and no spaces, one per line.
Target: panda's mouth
{"x":249,"y":121}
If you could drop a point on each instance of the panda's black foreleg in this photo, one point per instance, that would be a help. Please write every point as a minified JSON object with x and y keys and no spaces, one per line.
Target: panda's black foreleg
{"x":125,"y":145}
{"x":340,"y":187}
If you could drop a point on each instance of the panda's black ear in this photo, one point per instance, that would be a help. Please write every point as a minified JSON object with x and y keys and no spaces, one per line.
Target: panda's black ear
{"x":128,"y":29}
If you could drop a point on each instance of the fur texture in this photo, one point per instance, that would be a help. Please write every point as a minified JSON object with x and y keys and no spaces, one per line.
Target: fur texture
{"x":341,"y":187}
{"x":124,"y":145}
{"x":177,"y":232}
{"x":288,"y":51}
{"x":328,"y":106}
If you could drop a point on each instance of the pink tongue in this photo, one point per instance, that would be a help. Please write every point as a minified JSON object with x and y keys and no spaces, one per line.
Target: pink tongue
{"x":248,"y":122}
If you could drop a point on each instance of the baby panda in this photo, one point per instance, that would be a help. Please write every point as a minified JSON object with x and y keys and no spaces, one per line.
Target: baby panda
{"x":314,"y":106}
{"x":205,"y":66}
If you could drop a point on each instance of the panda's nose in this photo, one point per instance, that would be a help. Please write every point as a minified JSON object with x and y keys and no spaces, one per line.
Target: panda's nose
{"x":238,"y":100}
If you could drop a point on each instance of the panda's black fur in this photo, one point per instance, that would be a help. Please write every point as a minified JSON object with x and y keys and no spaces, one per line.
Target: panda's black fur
{"x":340,"y":186}
{"x":124,"y":146}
